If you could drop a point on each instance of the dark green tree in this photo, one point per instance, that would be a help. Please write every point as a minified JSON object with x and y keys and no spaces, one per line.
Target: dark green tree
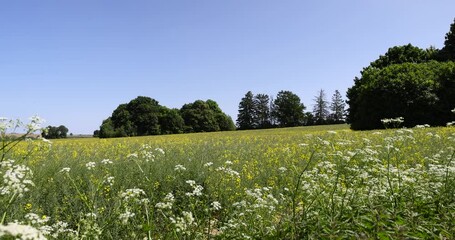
{"x":139,"y":117}
{"x":144,"y":112}
{"x":421,"y":93}
{"x":404,"y":54}
{"x":53,"y":132}
{"x":308,"y":119}
{"x":205,"y":116}
{"x":107,"y":129}
{"x":288,"y":109}
{"x":321,"y":108}
{"x":447,"y":53}
{"x":245,"y":118}
{"x":337,"y":107}
{"x":261,"y":111}
{"x":170,"y":121}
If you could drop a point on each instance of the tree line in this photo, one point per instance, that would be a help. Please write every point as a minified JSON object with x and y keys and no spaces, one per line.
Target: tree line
{"x":409,"y":82}
{"x":53,"y":132}
{"x":145,"y":116}
{"x":286,"y":110}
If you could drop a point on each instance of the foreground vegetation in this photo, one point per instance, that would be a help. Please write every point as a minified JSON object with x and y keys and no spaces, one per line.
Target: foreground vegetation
{"x":296,"y":183}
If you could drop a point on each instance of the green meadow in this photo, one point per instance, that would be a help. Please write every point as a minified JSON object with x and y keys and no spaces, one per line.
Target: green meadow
{"x":322,"y":182}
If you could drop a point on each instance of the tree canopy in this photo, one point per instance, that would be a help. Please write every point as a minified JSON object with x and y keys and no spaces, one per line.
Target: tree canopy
{"x":422,"y":93}
{"x":53,"y":132}
{"x":288,"y":109}
{"x":408,"y":82}
{"x":207,"y":116}
{"x":447,"y":53}
{"x":145,"y":116}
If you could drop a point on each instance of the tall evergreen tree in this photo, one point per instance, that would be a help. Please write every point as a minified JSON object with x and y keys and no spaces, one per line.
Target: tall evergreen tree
{"x":245,"y":118}
{"x":337,"y":107}
{"x":261,"y":111}
{"x":272,"y":109}
{"x":447,"y":53}
{"x":321,"y":108}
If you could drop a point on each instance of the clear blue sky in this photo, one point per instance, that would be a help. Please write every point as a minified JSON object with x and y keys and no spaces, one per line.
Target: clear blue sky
{"x":74,"y":62}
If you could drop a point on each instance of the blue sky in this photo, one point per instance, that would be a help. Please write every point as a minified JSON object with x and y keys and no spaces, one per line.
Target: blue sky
{"x":73,"y":62}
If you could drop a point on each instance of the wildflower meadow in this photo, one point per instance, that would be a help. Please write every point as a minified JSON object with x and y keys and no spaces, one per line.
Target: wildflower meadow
{"x":298,"y":183}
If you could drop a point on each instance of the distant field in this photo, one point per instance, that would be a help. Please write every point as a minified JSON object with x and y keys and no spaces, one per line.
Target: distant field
{"x":322,"y":182}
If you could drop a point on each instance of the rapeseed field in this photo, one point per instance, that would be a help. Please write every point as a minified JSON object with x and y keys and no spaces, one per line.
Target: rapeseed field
{"x":298,"y":183}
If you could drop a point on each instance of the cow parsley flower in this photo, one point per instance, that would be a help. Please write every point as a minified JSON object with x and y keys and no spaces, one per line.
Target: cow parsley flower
{"x":179,"y":168}
{"x":167,"y":202}
{"x":106,"y":161}
{"x":16,"y":179}
{"x":18,"y":231}
{"x":124,"y":217}
{"x":208,"y":164}
{"x":90,"y":165}
{"x":216,"y":205}
{"x":132,"y":194}
{"x":197,"y":189}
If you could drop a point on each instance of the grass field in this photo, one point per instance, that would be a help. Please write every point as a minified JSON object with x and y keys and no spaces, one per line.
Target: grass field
{"x":299,"y":183}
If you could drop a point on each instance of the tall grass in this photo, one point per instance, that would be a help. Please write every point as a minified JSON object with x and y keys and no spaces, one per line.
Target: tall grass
{"x":298,"y":183}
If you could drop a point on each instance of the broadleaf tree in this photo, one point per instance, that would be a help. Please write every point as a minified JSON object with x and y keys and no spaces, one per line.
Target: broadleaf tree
{"x":288,"y":109}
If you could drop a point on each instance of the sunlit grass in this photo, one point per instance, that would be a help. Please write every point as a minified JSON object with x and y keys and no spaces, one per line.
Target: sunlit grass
{"x":306,"y":182}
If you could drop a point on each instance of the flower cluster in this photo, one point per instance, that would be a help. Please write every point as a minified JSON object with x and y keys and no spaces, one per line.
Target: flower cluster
{"x":17,"y":178}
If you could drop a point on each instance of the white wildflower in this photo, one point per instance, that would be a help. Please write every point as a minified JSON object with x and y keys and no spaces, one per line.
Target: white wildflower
{"x":16,"y":179}
{"x":106,"y":161}
{"x":191,"y":182}
{"x":90,"y":165}
{"x":65,"y":170}
{"x":160,"y":150}
{"x":132,"y":194}
{"x":216,"y":205}
{"x":197,"y":189}
{"x":179,"y":168}
{"x":90,"y":215}
{"x":167,"y":202}
{"x":124,"y":217}
{"x":18,"y":231}
{"x":109,"y":180}
{"x":208,"y":164}
{"x":182,"y":224}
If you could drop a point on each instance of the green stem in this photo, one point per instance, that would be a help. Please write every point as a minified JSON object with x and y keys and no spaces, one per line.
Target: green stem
{"x":7,"y":206}
{"x":294,"y":195}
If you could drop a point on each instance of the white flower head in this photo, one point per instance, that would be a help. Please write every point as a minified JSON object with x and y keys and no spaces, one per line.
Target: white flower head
{"x":124,"y":217}
{"x":208,"y":164}
{"x":18,"y":231}
{"x":160,"y":150}
{"x":16,"y":179}
{"x":65,"y":170}
{"x":216,"y":205}
{"x":106,"y":161}
{"x":179,"y":168}
{"x":90,"y":165}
